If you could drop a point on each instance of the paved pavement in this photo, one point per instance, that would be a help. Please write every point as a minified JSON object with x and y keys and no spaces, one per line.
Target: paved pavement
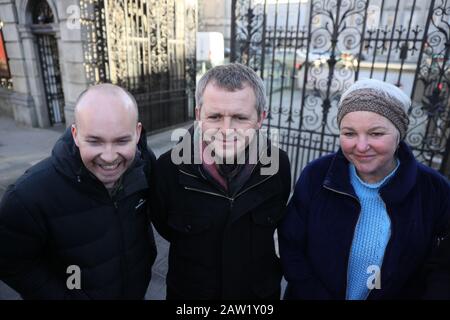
{"x":22,"y":147}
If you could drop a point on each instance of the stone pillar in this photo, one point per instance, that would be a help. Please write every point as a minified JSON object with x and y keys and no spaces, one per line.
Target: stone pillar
{"x":21,"y":103}
{"x":71,"y":55}
{"x":33,"y":76}
{"x":215,"y":16}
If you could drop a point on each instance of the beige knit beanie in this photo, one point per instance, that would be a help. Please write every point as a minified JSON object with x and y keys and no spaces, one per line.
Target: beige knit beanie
{"x":377,"y":96}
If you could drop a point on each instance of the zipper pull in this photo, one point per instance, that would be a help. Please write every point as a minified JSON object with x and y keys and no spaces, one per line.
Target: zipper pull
{"x":78,"y":179}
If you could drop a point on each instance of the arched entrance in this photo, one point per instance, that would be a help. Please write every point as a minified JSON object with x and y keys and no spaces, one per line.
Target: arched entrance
{"x":42,"y":20}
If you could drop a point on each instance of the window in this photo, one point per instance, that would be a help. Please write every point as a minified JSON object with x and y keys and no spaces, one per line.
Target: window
{"x":5,"y":75}
{"x":42,"y":13}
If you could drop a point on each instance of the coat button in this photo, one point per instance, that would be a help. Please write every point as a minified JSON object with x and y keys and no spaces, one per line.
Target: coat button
{"x":270,"y":220}
{"x":188,"y":228}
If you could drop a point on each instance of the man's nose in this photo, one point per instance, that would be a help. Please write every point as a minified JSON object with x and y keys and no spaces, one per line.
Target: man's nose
{"x":109,"y":154}
{"x":226,"y":124}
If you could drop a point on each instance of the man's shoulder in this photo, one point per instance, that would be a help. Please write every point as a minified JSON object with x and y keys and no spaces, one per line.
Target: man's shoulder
{"x":284,"y":158}
{"x":283,"y":166}
{"x":165,"y":160}
{"x":32,"y":187}
{"x":165,"y":156}
{"x":36,"y":177}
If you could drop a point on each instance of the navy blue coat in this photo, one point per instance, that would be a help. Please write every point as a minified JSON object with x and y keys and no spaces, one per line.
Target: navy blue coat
{"x":438,"y":270}
{"x":317,"y":232}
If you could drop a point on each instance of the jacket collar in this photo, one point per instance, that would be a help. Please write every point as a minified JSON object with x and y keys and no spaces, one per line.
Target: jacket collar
{"x":192,"y":175}
{"x":199,"y":183}
{"x":398,"y":187}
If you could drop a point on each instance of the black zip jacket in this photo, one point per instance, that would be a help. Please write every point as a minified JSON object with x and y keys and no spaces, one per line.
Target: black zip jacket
{"x":221,"y":244}
{"x":59,"y":215}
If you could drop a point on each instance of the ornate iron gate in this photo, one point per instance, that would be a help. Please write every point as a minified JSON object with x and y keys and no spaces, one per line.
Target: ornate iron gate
{"x":43,"y":19}
{"x":48,"y":56}
{"x":309,"y":52}
{"x":148,"y":47}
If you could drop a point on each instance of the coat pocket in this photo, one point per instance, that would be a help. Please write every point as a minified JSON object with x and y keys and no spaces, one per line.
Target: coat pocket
{"x":188,"y":224}
{"x":269,"y":215}
{"x":190,"y":244}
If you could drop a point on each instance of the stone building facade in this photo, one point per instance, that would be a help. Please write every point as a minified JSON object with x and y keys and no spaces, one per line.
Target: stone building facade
{"x":57,"y":48}
{"x":42,"y":37}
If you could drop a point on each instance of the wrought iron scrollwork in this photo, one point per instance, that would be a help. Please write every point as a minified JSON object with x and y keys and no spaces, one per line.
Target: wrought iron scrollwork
{"x":310,"y":53}
{"x":249,"y":32}
{"x":430,"y":130}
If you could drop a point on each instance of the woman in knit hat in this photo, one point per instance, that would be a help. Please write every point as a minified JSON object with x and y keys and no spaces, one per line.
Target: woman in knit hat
{"x":362,"y":222}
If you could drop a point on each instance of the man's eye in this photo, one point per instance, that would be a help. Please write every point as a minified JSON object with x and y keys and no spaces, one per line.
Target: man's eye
{"x":122,"y":142}
{"x":93,"y":142}
{"x":214,"y":117}
{"x":377,"y":134}
{"x":349,"y":134}
{"x":242,"y":118}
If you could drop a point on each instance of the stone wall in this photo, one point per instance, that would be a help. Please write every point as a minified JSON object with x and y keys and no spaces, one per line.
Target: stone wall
{"x":5,"y":103}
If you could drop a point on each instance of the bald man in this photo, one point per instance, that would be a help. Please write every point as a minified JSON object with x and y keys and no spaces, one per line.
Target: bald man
{"x":76,"y":226}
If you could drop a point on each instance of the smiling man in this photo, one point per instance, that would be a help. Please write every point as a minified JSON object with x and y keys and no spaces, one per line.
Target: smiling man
{"x":107,"y":154}
{"x":76,"y":225}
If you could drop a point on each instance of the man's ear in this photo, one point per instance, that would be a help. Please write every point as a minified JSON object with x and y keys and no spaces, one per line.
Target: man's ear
{"x":197,"y":113}
{"x":74,"y":131}
{"x":262,"y":118}
{"x":138,"y":131}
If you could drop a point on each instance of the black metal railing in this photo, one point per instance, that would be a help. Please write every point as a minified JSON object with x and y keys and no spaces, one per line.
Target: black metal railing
{"x":49,"y":60}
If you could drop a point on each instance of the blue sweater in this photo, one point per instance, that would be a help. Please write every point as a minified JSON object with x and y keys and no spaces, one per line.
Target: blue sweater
{"x":371,"y":237}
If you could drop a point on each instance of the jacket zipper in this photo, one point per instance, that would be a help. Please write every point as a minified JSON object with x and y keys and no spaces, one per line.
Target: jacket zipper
{"x":189,"y":174}
{"x":354,"y":230}
{"x":231,"y":199}
{"x":208,"y":192}
{"x":222,"y":196}
{"x":122,"y":247}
